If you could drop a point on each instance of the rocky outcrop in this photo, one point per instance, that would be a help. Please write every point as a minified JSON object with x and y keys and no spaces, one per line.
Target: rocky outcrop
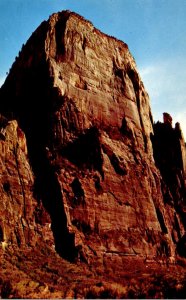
{"x":170,"y":157}
{"x":80,"y":101}
{"x":23,"y":219}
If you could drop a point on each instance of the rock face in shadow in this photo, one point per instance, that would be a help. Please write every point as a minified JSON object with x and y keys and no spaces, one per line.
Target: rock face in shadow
{"x":23,"y":219}
{"x":170,"y":157}
{"x":79,"y":99}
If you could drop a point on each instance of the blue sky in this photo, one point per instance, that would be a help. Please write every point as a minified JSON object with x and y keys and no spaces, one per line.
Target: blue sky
{"x":155,"y":31}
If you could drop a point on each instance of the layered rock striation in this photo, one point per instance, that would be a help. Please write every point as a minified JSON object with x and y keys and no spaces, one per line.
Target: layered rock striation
{"x":78,"y":97}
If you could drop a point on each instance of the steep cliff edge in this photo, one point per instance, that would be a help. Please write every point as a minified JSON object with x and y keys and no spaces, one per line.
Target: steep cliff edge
{"x":79,"y":99}
{"x":170,"y":157}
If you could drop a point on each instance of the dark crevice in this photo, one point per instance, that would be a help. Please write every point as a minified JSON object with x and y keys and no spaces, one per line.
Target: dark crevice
{"x":97,"y":183}
{"x":85,"y":152}
{"x":119,"y":82}
{"x":1,"y":235}
{"x":181,"y":246}
{"x":161,"y":220}
{"x":79,"y":196}
{"x":3,"y":124}
{"x":177,"y":226}
{"x":119,"y":73}
{"x":18,"y":239}
{"x":164,"y":249}
{"x":82,"y":226}
{"x":133,"y":75}
{"x":84,"y":43}
{"x":60,"y":36}
{"x":116,"y":198}
{"x":6,"y":187}
{"x":150,"y":236}
{"x":48,"y":189}
{"x":77,"y":188}
{"x":118,"y":165}
{"x":126,"y":130}
{"x":182,"y":214}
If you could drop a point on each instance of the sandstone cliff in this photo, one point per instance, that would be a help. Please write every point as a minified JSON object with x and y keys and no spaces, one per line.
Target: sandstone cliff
{"x":78,"y":97}
{"x":23,"y":219}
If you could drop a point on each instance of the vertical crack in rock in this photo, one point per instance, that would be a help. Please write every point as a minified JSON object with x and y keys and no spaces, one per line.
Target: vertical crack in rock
{"x":48,"y":189}
{"x":1,"y":235}
{"x":133,"y":75}
{"x":60,"y":38}
{"x":161,"y":220}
